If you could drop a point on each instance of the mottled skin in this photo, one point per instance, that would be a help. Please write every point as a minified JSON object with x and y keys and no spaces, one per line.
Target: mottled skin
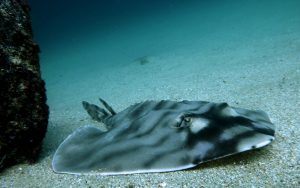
{"x":159,"y":136}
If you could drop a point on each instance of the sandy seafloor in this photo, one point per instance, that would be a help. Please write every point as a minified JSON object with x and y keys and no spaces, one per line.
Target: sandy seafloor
{"x":248,"y":56}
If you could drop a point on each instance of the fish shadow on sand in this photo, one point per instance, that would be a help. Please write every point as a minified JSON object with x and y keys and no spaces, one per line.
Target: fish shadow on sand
{"x":143,"y":60}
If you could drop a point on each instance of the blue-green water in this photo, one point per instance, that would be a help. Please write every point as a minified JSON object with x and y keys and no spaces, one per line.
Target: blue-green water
{"x":126,"y":27}
{"x":244,"y":52}
{"x":87,"y":47}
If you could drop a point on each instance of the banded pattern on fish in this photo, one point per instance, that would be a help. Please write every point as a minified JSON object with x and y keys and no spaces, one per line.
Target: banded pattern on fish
{"x":159,"y":136}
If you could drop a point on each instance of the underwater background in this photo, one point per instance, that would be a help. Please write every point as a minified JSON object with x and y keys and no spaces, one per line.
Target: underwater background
{"x":243,"y":52}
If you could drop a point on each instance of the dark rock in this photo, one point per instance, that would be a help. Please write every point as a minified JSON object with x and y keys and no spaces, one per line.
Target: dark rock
{"x":23,"y":108}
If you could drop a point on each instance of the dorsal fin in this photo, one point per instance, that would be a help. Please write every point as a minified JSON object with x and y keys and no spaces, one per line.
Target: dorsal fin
{"x":109,"y":108}
{"x":96,"y":113}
